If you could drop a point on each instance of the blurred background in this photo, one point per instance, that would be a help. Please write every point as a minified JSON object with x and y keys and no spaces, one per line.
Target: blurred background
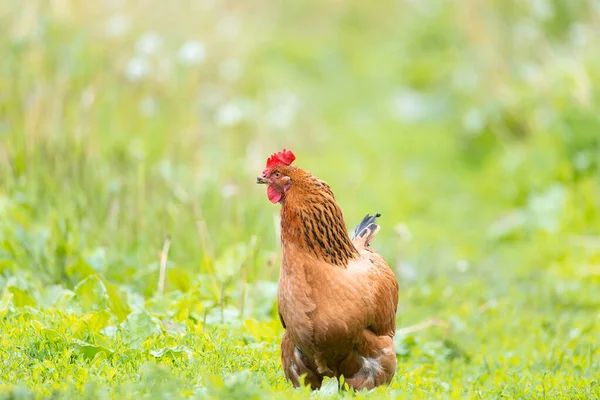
{"x":472,"y":126}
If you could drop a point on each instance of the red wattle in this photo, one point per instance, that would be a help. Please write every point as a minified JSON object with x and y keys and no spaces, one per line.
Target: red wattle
{"x":273,"y":194}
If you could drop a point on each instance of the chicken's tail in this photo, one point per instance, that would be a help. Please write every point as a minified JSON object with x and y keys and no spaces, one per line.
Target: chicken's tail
{"x":365,"y":231}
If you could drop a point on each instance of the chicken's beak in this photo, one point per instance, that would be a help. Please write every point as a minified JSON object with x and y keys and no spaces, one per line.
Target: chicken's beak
{"x":262,"y":180}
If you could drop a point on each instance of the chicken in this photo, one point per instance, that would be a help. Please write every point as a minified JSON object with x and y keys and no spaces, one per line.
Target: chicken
{"x":337,"y":297}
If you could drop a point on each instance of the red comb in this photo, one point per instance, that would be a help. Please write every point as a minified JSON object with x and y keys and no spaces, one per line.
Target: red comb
{"x":285,"y":157}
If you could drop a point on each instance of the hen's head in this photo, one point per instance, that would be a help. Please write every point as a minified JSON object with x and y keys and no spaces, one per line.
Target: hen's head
{"x":278,"y":175}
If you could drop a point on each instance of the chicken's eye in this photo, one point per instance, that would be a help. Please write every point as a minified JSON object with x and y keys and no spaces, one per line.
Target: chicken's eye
{"x":277,"y":174}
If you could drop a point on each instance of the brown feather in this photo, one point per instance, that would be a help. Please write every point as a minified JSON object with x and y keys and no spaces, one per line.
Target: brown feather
{"x":337,"y":299}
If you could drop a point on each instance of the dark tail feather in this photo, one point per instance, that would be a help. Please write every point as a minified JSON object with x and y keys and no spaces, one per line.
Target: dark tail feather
{"x":365,"y":231}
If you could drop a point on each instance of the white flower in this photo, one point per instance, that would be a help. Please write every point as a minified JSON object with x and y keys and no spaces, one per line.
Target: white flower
{"x":228,"y":27}
{"x":473,"y":121}
{"x":230,"y":114}
{"x":285,"y":106}
{"x":87,"y":98}
{"x":402,"y":230}
{"x":117,"y":25}
{"x":136,"y":69}
{"x":148,"y":43}
{"x":547,"y":206}
{"x":229,"y":190}
{"x":579,"y":34}
{"x":409,"y":105}
{"x":231,"y":70}
{"x":148,"y":106}
{"x":541,"y":9}
{"x":527,"y":33}
{"x":465,"y":79}
{"x":192,"y":52}
{"x":448,"y":290}
{"x":462,"y":265}
{"x":582,"y":161}
{"x":530,"y":72}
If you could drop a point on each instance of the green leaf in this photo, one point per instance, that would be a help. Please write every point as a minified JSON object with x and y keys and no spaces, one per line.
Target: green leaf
{"x":55,"y":296}
{"x":5,"y":303}
{"x":21,"y":298}
{"x":89,"y":350}
{"x":6,"y":265}
{"x":79,"y":270}
{"x":51,"y":335}
{"x":96,"y":321}
{"x":230,"y":262}
{"x":138,"y":327}
{"x":179,"y":279}
{"x":90,"y":294}
{"x":117,"y":300}
{"x":172,"y":352}
{"x":456,"y":351}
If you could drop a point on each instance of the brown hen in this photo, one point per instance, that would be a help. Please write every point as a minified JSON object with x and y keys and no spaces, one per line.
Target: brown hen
{"x":337,"y":297}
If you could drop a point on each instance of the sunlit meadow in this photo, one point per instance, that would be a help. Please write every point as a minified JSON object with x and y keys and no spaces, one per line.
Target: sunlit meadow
{"x":138,"y":259}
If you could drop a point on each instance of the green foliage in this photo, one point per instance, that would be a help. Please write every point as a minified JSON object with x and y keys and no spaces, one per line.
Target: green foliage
{"x":471,"y":126}
{"x":138,"y":327}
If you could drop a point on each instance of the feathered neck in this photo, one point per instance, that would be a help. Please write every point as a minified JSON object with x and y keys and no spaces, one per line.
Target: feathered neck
{"x":312,"y":221}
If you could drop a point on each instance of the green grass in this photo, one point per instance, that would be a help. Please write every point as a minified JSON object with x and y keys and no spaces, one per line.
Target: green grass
{"x":472,"y":128}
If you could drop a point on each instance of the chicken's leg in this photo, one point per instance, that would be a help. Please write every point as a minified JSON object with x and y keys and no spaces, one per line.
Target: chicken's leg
{"x":295,"y":364}
{"x":372,"y":364}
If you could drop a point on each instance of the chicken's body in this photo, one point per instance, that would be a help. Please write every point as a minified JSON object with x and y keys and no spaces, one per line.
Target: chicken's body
{"x":337,"y":297}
